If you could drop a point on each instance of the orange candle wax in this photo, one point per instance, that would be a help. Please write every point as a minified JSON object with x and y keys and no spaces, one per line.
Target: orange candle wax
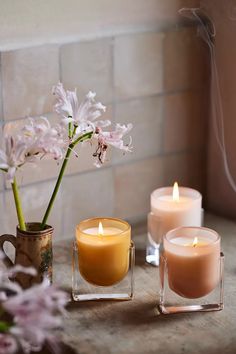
{"x":103,"y":247}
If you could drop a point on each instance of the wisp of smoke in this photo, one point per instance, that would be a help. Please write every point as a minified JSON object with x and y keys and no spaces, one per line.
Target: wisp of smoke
{"x":206,"y":30}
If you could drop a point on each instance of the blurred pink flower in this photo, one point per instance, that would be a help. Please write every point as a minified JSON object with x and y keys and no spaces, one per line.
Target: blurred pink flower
{"x":10,"y":272}
{"x":36,"y":314}
{"x":8,"y":344}
{"x":7,"y":286}
{"x":39,"y":297}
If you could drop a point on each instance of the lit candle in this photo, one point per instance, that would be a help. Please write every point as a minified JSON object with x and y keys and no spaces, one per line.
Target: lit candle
{"x":193,"y":260}
{"x":174,"y":207}
{"x":103,"y":246}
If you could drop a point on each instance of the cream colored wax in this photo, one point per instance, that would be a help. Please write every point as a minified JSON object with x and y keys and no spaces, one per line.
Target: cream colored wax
{"x":170,"y":211}
{"x":103,"y":250}
{"x":193,"y":260}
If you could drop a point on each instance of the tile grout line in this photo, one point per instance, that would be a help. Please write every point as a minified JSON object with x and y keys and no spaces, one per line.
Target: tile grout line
{"x":162,"y":155}
{"x":1,"y":90}
{"x":131,"y":99}
{"x":162,"y":101}
{"x":113,"y":118}
{"x":117,"y":165}
{"x":3,"y":184}
{"x":176,"y":26}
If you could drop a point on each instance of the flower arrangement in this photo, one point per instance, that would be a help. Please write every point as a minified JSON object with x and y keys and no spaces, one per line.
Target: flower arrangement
{"x":38,"y":139}
{"x":28,"y":318}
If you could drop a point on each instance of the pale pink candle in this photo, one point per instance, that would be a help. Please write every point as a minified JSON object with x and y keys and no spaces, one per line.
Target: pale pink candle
{"x":193,"y":260}
{"x":174,"y":207}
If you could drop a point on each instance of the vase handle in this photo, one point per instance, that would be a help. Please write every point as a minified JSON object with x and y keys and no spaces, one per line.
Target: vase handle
{"x":7,"y":238}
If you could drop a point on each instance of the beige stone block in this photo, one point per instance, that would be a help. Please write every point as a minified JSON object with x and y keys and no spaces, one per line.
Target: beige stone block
{"x":188,"y":169}
{"x":138,"y":64}
{"x":185,"y":58}
{"x":3,"y":214}
{"x":1,"y":172}
{"x":185,"y":121}
{"x":35,"y":199}
{"x":27,"y":79}
{"x":56,"y":21}
{"x":37,"y":172}
{"x":4,"y":227}
{"x":88,"y":66}
{"x":1,"y":146}
{"x":1,"y":181}
{"x":133,"y":184}
{"x":86,"y":195}
{"x":146,"y":116}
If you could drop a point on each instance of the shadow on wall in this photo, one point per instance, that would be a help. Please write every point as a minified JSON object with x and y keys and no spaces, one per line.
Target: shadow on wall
{"x":220,"y":196}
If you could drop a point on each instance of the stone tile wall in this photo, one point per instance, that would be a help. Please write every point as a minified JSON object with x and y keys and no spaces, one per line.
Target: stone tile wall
{"x":154,"y":79}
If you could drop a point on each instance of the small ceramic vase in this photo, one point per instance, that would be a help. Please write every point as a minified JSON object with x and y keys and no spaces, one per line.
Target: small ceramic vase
{"x":33,"y":249}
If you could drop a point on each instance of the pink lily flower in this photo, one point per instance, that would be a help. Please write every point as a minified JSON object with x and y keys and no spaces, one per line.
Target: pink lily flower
{"x":113,"y":138}
{"x":36,"y":140}
{"x":84,"y":116}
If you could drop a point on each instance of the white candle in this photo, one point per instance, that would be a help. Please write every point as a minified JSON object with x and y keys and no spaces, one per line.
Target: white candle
{"x":193,"y":260}
{"x":174,"y":207}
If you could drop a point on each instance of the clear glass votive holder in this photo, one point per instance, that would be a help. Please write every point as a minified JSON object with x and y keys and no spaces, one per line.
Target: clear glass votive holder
{"x":155,"y":232}
{"x":191,"y":271}
{"x":154,"y":238}
{"x":103,"y":265}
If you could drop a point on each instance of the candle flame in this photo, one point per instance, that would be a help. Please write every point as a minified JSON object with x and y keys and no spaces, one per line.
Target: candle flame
{"x":176,"y":192}
{"x":100,"y":229}
{"x":195,"y":241}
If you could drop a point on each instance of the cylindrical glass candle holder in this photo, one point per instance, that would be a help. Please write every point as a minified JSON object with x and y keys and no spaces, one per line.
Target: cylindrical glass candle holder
{"x":167,"y":213}
{"x":191,"y":271}
{"x":103,"y":260}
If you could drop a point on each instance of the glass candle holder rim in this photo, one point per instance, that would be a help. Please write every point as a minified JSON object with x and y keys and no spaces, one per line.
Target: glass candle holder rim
{"x":213,"y":232}
{"x":121,"y":221}
{"x":160,"y":192}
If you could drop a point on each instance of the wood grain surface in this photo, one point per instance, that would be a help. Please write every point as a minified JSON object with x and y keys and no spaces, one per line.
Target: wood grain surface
{"x":136,"y":326}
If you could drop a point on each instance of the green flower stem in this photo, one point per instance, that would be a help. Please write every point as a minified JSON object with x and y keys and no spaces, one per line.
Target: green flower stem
{"x":74,"y":130}
{"x":4,"y":326}
{"x":70,"y":130}
{"x":59,"y":179}
{"x":19,"y":209}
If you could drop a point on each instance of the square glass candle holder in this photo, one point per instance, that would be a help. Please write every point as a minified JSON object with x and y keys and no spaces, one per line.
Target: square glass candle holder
{"x":171,"y":207}
{"x":154,"y":238}
{"x":191,"y":271}
{"x":103,"y":264}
